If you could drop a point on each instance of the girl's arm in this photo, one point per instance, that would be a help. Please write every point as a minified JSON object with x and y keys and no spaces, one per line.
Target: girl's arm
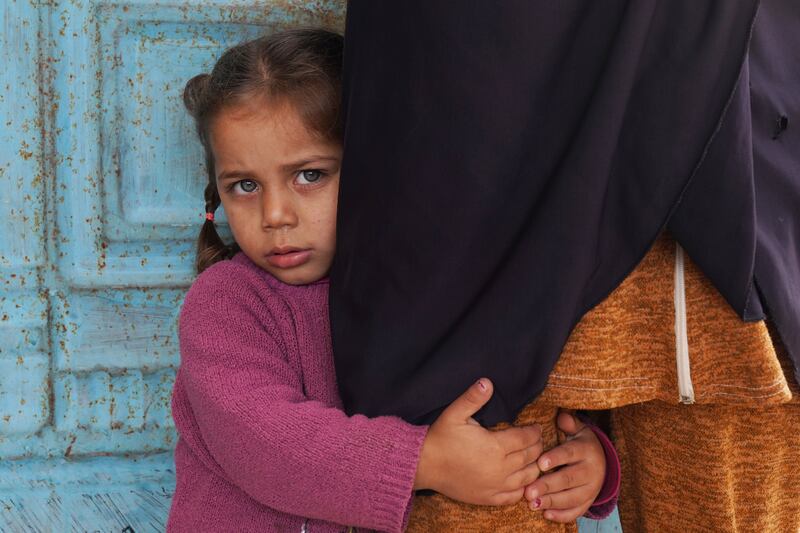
{"x":290,"y":453}
{"x":307,"y":458}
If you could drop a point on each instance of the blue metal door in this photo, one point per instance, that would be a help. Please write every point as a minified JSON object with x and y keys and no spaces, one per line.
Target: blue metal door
{"x":100,"y":202}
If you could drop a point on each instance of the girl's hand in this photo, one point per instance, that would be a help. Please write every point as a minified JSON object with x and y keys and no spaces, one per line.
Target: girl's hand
{"x":469,"y":463}
{"x":566,"y":493}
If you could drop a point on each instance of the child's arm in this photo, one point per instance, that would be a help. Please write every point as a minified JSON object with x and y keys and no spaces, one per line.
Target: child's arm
{"x":305,"y":457}
{"x":587,"y":482}
{"x":266,"y":437}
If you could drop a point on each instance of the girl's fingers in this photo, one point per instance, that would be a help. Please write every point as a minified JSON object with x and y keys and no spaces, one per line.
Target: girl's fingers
{"x":566,"y":499}
{"x":522,"y":478}
{"x":517,"y":439}
{"x":521,"y":459}
{"x":506,"y":498}
{"x":470,"y":402}
{"x":567,"y":478}
{"x":565,"y":515}
{"x":569,"y":423}
{"x":568,"y":453}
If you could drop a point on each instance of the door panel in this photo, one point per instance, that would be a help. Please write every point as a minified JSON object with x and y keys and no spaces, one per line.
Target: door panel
{"x":102,"y":180}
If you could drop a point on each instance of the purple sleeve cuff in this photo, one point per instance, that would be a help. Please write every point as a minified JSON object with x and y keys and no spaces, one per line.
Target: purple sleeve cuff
{"x":410,"y":504}
{"x":606,"y":501}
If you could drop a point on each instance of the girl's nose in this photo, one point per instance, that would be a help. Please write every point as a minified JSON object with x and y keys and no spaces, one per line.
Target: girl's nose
{"x":277,"y":211}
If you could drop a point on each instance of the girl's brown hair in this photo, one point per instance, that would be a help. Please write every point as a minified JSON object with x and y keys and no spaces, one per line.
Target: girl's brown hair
{"x":301,"y":67}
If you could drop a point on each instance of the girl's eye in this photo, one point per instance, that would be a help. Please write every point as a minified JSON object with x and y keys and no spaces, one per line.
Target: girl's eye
{"x":245,"y":186}
{"x":306,"y":177}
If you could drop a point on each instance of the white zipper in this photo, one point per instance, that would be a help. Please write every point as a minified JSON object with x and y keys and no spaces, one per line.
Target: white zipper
{"x":685,"y":389}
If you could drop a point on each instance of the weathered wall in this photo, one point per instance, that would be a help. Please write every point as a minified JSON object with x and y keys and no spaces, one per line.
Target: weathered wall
{"x":101,"y":200}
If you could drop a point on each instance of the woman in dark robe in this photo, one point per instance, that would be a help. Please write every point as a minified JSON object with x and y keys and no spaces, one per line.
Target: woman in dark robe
{"x":508,"y":164}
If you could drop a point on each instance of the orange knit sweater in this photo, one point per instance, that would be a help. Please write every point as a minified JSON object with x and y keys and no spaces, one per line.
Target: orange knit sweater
{"x":723,"y":464}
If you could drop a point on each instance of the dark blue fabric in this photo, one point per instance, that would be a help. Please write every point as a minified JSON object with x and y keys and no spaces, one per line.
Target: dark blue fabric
{"x":775,"y":104}
{"x":507,"y":164}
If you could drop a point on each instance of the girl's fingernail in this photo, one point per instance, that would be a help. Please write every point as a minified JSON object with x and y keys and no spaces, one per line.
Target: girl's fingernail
{"x":545,"y":464}
{"x":537,"y":503}
{"x":482,"y":384}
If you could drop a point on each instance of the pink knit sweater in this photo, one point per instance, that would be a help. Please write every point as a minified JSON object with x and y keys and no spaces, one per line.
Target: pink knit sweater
{"x":264,"y":444}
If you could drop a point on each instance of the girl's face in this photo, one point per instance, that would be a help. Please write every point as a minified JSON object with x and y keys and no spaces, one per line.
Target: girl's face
{"x":279,"y":184}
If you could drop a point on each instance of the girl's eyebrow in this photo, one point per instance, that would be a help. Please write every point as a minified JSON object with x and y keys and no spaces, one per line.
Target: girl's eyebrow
{"x":305,"y":161}
{"x":235,"y":174}
{"x":245,"y":174}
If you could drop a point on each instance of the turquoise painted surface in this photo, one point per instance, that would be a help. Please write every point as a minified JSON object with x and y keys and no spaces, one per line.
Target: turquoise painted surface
{"x":608,"y":525}
{"x":100,"y":195}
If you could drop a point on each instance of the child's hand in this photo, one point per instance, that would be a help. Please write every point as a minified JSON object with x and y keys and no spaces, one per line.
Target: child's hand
{"x":469,"y":463}
{"x":568,"y":492}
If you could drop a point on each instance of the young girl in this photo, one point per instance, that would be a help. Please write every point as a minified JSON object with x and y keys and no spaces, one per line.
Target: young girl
{"x":264,"y":444}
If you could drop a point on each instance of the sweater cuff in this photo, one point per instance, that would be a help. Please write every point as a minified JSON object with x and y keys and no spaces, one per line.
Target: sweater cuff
{"x":397,"y":481}
{"x":606,"y":500}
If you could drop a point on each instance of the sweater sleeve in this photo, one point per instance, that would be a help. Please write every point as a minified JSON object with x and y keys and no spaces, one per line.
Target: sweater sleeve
{"x":606,"y":500}
{"x":284,"y":450}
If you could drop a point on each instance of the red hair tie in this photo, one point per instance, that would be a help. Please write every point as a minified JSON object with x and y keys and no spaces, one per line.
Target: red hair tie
{"x":210,"y":216}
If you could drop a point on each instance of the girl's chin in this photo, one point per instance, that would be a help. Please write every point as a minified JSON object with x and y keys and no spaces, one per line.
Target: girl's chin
{"x":304,"y":275}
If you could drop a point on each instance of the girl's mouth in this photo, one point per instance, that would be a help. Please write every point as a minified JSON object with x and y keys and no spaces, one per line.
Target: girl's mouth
{"x":288,"y":257}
